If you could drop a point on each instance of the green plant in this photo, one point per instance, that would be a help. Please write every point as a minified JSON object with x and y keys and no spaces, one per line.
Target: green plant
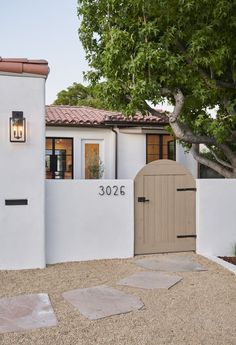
{"x":95,"y":167}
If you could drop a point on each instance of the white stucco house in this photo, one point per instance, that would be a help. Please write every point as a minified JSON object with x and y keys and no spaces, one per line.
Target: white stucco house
{"x":124,"y":145}
{"x":53,"y":208}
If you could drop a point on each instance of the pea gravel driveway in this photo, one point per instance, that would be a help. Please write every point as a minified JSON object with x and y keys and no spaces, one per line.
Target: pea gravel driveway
{"x":199,"y":310}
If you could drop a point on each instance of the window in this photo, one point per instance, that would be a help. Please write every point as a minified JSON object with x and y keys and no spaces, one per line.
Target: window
{"x":206,"y":172}
{"x":160,"y":146}
{"x":171,"y":150}
{"x":93,"y":167}
{"x":59,"y":158}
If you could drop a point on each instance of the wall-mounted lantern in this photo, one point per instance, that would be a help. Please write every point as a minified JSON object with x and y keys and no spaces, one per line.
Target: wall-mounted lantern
{"x":17,"y":127}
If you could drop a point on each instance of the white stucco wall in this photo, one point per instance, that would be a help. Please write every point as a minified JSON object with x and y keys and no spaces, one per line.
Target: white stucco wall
{"x":22,"y":237}
{"x":216,"y":216}
{"x":131,"y":151}
{"x":105,"y":136}
{"x":186,"y":159}
{"x":83,"y":225}
{"x":131,"y":154}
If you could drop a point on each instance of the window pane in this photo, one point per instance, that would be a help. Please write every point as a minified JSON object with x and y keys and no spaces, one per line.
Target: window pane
{"x":68,"y":172}
{"x":151,"y":158}
{"x":160,"y":146}
{"x":59,"y":160}
{"x":48,"y":144}
{"x":92,"y":161}
{"x":153,"y":149}
{"x":49,"y":175}
{"x":47,"y":160}
{"x":171,"y":150}
{"x":153,"y":139}
{"x":64,"y":144}
{"x":168,"y":147}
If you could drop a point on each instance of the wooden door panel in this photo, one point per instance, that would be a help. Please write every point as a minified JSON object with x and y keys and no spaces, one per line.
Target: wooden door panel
{"x":168,"y":213}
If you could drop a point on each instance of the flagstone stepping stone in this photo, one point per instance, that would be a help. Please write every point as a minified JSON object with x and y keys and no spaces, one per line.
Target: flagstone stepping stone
{"x":170,"y":264}
{"x":26,"y":312}
{"x":102,"y":301}
{"x":150,"y":280}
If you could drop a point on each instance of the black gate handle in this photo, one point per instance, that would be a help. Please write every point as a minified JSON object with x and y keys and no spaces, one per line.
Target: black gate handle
{"x":142,"y":199}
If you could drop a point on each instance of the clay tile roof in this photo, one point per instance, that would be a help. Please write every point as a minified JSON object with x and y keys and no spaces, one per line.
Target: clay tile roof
{"x":17,"y":65}
{"x":71,"y":115}
{"x":62,"y":115}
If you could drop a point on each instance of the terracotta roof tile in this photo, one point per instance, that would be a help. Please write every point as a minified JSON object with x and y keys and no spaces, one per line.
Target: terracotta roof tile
{"x":81,"y":116}
{"x":17,"y":65}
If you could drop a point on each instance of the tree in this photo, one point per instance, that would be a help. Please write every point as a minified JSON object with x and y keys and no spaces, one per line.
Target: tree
{"x":183,"y":50}
{"x":80,"y":95}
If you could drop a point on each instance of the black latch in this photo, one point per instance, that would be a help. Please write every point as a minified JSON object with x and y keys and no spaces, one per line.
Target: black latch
{"x":16,"y":202}
{"x":185,"y":236}
{"x":186,"y":189}
{"x":142,"y":199}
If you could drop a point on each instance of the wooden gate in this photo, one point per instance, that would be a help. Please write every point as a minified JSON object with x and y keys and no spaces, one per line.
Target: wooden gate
{"x":165,"y":208}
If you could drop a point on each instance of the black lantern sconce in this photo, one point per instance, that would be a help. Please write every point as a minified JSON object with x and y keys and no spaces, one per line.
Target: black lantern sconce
{"x":17,"y":127}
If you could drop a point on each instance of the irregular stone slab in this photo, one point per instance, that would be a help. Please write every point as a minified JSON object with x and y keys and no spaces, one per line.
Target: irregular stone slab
{"x":150,"y":280}
{"x":101,"y":301}
{"x":170,"y":264}
{"x":26,"y":312}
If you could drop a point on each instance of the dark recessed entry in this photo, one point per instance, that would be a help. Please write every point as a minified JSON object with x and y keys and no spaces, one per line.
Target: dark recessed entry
{"x":15,"y":202}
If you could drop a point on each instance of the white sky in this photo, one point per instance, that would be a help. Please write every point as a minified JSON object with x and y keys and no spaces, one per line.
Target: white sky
{"x":44,"y":29}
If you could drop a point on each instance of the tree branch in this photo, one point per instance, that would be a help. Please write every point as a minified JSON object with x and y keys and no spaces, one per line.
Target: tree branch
{"x":155,"y":112}
{"x":228,"y":153}
{"x":179,"y":102}
{"x":211,"y":164}
{"x":180,"y":130}
{"x":221,"y":161}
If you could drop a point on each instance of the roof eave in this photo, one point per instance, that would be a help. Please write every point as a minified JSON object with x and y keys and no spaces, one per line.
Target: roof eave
{"x":134,"y":124}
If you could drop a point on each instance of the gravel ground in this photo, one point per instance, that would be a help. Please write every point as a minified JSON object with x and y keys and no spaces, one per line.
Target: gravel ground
{"x":200,"y":310}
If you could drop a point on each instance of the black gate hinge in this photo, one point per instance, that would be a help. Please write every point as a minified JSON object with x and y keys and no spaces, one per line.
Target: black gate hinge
{"x":186,"y":189}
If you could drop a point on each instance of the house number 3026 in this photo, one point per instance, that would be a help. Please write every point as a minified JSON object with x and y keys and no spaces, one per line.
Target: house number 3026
{"x":111,"y":190}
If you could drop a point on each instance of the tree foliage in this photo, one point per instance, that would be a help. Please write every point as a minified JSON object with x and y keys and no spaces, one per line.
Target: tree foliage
{"x":184,"y":50}
{"x":80,"y":95}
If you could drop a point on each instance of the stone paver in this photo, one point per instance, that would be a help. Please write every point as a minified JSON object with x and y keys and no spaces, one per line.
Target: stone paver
{"x":101,"y":301}
{"x":150,"y":280}
{"x":169,"y":263}
{"x":26,"y":312}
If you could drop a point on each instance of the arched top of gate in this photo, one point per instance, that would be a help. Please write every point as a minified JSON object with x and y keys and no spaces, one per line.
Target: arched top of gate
{"x":163,"y":167}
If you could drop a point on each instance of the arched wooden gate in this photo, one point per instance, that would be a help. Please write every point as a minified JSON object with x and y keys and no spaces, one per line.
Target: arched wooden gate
{"x":165,"y":208}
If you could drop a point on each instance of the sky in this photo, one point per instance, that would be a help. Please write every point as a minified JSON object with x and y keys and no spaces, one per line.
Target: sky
{"x":44,"y":29}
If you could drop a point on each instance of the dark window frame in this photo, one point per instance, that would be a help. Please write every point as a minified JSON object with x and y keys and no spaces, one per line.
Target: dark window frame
{"x":53,"y":152}
{"x":161,"y":136}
